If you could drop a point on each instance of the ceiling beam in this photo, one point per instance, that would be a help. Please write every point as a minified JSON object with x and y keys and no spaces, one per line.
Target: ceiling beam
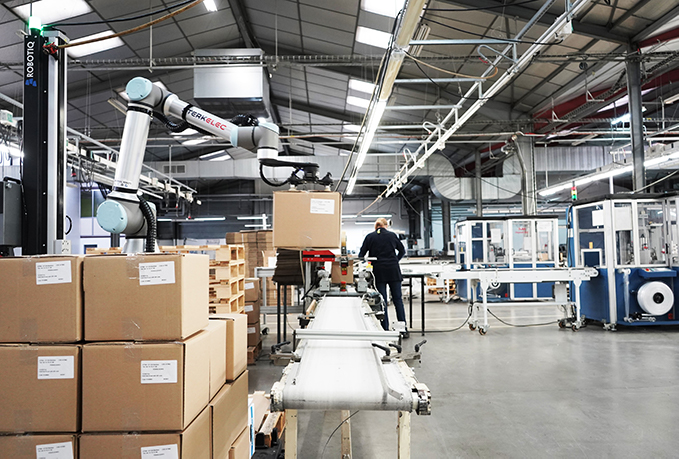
{"x":525,"y":13}
{"x":653,"y":28}
{"x":240,"y":15}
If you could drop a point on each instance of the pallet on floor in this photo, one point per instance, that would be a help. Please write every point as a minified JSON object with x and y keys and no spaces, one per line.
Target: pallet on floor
{"x":218,"y":253}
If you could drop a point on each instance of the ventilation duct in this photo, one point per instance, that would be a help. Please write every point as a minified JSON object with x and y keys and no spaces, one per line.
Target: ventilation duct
{"x":445,"y":185}
{"x":231,"y":90}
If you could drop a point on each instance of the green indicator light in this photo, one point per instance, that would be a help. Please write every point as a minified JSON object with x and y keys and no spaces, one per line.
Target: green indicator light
{"x":34,"y":23}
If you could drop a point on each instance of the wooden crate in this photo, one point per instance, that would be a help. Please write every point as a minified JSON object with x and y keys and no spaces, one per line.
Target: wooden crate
{"x":253,"y":353}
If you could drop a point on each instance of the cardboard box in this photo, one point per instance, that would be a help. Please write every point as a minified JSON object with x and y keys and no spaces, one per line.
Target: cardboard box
{"x":254,"y":334}
{"x":264,"y":236}
{"x":146,"y":297}
{"x":145,"y":386}
{"x":229,"y":415}
{"x":242,"y":237}
{"x":32,"y":446}
{"x":241,"y":447}
{"x":307,"y":219}
{"x":236,"y":343}
{"x":217,"y":331}
{"x":253,"y":288}
{"x":39,"y":388}
{"x":194,"y":442}
{"x":336,"y":276}
{"x":41,"y":299}
{"x":252,"y":311}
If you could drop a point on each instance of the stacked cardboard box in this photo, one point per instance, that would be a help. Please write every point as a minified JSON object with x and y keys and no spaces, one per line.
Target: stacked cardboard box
{"x":41,"y":310}
{"x":253,"y":298}
{"x":153,"y":364}
{"x":161,"y":372}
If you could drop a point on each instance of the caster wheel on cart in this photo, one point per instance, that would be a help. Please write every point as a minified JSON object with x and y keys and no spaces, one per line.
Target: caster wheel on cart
{"x":574,"y":327}
{"x":472,"y":327}
{"x":562,"y":324}
{"x":482,"y":331}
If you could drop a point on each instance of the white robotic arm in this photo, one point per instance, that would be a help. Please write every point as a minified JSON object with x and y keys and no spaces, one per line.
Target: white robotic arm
{"x":123,"y":212}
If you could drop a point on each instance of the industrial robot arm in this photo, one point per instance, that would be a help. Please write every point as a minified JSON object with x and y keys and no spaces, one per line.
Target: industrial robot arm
{"x":122,"y":212}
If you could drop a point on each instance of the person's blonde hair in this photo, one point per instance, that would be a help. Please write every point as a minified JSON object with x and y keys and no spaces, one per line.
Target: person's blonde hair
{"x":381,"y":223}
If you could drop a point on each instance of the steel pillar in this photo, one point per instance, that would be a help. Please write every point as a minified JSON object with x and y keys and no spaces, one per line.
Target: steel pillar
{"x":445,"y":223}
{"x":633,"y":65}
{"x":526,"y":155}
{"x":478,"y":185}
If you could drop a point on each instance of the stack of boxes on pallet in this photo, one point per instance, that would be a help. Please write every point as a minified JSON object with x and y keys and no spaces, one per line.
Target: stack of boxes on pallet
{"x":253,"y":300}
{"x":147,"y":376}
{"x":259,"y":252}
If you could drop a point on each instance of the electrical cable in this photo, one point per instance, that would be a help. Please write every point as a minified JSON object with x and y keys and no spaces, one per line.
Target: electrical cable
{"x":456,"y":328}
{"x":152,"y":229}
{"x":481,"y":8}
{"x":129,"y":18}
{"x":480,"y":35}
{"x":336,"y":429}
{"x":451,"y":72}
{"x":132,"y":30}
{"x":269,"y":182}
{"x":522,"y":325}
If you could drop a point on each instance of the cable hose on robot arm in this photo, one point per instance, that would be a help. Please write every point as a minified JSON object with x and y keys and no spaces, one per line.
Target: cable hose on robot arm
{"x":267,"y":181}
{"x":150,"y":218}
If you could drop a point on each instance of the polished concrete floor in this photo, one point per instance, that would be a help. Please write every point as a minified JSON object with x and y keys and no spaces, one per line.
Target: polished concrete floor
{"x":533,"y":392}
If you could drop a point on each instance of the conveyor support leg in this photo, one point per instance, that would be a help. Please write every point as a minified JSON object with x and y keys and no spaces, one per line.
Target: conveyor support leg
{"x":291,"y":434}
{"x":346,"y":434}
{"x":403,"y":435}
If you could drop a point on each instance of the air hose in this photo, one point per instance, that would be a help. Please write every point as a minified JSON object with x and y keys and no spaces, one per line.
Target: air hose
{"x":150,"y":218}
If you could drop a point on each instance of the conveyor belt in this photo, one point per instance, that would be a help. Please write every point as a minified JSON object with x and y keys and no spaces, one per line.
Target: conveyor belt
{"x":340,"y":374}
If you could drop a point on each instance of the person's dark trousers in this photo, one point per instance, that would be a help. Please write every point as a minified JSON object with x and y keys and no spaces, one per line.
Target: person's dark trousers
{"x":397,"y":298}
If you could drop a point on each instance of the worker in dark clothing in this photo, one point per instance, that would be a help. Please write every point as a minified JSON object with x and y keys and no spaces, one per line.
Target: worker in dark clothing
{"x":388,"y":249}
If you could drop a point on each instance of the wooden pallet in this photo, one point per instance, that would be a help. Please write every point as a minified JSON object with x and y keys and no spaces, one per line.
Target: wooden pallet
{"x":98,"y":251}
{"x":219,"y":254}
{"x":271,"y":430}
{"x":253,"y":353}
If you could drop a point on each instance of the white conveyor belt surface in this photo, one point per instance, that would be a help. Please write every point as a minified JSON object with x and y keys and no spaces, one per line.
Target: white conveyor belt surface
{"x":345,"y":374}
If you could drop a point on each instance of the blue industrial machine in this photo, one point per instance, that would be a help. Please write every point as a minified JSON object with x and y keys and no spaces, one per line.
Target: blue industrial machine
{"x":632,"y":241}
{"x":508,"y":242}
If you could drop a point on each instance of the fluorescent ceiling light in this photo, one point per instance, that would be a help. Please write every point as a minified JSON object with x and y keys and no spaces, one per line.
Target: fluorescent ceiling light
{"x":187,"y":131}
{"x":96,"y":47}
{"x":364,"y":223}
{"x":361,"y":86}
{"x":220,"y":155}
{"x":383,"y":7}
{"x":671,"y":100}
{"x":373,"y":37}
{"x":358,"y":101}
{"x":209,"y":219}
{"x":373,"y":122}
{"x":51,"y":11}
{"x":210,"y":5}
{"x":191,"y":142}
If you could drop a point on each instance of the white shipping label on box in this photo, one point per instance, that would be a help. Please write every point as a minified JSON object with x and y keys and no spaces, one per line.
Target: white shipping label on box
{"x":54,"y":451}
{"x":252,"y":330}
{"x":160,"y":452}
{"x":53,"y":272}
{"x":156,"y":273}
{"x":249,"y":308}
{"x":249,"y":285}
{"x":56,"y":367}
{"x":158,"y":371}
{"x":322,"y":206}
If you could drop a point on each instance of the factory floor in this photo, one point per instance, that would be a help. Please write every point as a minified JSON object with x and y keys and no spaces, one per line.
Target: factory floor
{"x":531,"y":392}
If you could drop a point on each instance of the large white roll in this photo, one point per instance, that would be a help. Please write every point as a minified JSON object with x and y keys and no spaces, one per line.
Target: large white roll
{"x":656,"y":298}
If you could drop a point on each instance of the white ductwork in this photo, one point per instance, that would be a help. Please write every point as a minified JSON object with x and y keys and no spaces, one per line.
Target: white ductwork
{"x":445,"y":185}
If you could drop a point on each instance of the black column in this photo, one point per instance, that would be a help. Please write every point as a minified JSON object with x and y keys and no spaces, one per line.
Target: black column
{"x":34,"y":177}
